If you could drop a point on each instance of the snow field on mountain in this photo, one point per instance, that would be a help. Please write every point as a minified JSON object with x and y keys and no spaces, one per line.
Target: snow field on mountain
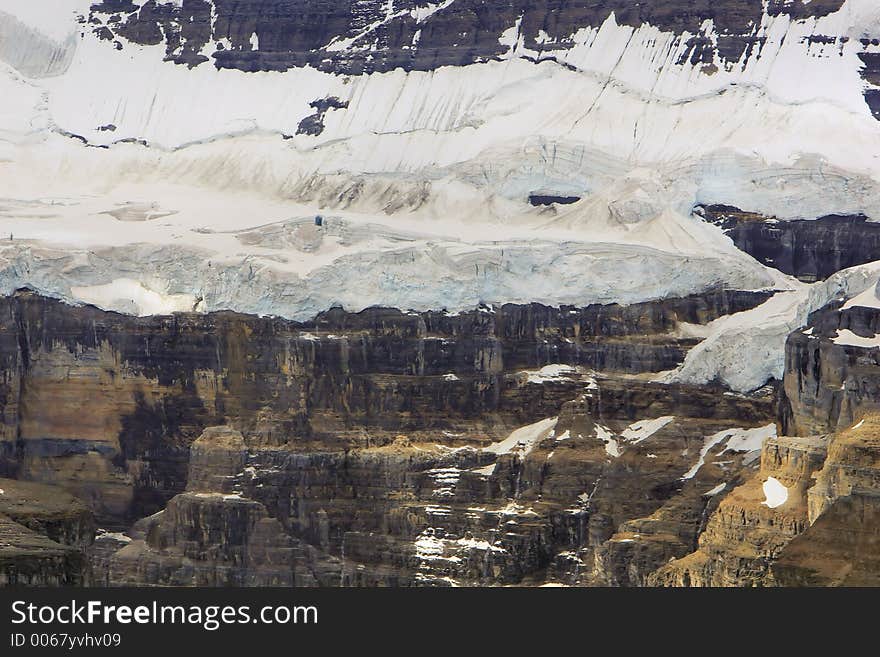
{"x":423,"y":179}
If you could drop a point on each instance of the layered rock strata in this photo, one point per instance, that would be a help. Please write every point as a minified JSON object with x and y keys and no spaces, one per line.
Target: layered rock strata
{"x":45,"y":536}
{"x":809,"y":249}
{"x":750,"y":527}
{"x":209,"y":535}
{"x":832,"y":369}
{"x":107,"y":405}
{"x":370,"y":35}
{"x":807,"y":518}
{"x":394,"y":449}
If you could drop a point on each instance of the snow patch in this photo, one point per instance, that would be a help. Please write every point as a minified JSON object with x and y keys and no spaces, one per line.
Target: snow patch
{"x":486,"y":471}
{"x":555,"y":372}
{"x":424,"y":11}
{"x":714,"y":491}
{"x":867,"y":299}
{"x":775,"y":492}
{"x":475,"y":544}
{"x":612,"y":447}
{"x":525,"y":438}
{"x":445,"y":480}
{"x":737,"y":439}
{"x":117,"y":536}
{"x":847,"y":338}
{"x":644,"y":429}
{"x":429,"y":547}
{"x":746,"y":349}
{"x":55,"y":19}
{"x":749,"y":440}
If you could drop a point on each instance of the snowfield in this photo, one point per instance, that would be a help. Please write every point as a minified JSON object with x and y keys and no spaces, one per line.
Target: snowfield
{"x":145,"y":187}
{"x":775,"y":493}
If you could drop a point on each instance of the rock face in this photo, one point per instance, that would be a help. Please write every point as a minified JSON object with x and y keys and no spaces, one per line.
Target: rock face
{"x":542,"y":505}
{"x":810,"y":249}
{"x":648,"y":502}
{"x":209,"y":535}
{"x":373,"y":35}
{"x":430,"y":161}
{"x":521,"y":445}
{"x":840,"y":549}
{"x":107,"y":405}
{"x":824,"y":530}
{"x":382,"y":448}
{"x":747,"y":532}
{"x":419,"y":513}
{"x":832,"y":376}
{"x":852,"y":467}
{"x":216,"y":459}
{"x":807,"y":518}
{"x":48,"y":510}
{"x":32,"y":559}
{"x":45,"y":536}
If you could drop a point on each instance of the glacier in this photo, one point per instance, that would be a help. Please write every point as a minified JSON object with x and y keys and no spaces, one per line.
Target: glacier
{"x":143,"y":185}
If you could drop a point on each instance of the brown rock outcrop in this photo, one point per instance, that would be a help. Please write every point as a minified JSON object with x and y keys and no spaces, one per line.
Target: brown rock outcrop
{"x":842,"y":548}
{"x":45,"y":536}
{"x":746,"y":534}
{"x":852,"y":466}
{"x":209,"y":535}
{"x":364,"y":449}
{"x":832,"y":371}
{"x":29,"y":558}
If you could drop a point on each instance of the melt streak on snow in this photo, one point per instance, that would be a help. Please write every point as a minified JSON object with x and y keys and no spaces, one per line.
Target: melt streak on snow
{"x":144,"y":186}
